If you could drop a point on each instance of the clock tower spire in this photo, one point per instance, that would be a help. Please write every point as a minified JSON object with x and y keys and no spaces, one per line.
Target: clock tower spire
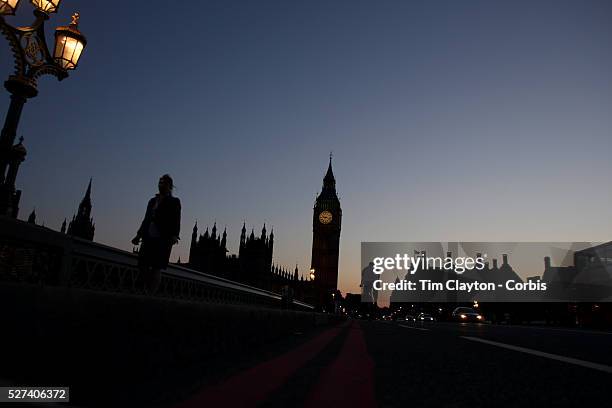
{"x":326,"y":224}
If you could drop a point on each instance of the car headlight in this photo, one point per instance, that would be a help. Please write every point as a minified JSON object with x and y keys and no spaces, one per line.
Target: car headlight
{"x":463,"y":316}
{"x":479,"y":317}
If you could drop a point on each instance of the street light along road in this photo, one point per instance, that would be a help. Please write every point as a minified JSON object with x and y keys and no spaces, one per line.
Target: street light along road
{"x":32,"y":60}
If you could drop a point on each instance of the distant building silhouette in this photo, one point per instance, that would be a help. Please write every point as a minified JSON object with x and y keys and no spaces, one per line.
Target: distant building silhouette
{"x":558,"y":274}
{"x":253,"y":265}
{"x":368,"y":294}
{"x":255,"y":255}
{"x":589,"y":277}
{"x":207,"y":252}
{"x":82,"y":225}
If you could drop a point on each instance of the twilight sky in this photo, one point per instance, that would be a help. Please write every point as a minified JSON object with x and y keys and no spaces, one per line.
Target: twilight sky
{"x":449,"y":120}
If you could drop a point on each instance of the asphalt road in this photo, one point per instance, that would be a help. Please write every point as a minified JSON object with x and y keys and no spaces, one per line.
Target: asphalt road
{"x":461,"y":364}
{"x":400,"y":364}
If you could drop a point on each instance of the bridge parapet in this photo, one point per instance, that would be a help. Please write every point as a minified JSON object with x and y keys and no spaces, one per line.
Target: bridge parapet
{"x":40,"y":256}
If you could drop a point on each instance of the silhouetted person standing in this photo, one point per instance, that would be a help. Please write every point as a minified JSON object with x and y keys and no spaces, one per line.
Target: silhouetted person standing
{"x":158,"y":232}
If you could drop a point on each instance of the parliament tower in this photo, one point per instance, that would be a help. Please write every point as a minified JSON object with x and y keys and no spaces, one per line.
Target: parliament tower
{"x":326,"y":223}
{"x":82,"y":224}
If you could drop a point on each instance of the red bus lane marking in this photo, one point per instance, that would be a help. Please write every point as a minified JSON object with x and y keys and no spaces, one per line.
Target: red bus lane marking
{"x":252,"y":386}
{"x":349,"y":380}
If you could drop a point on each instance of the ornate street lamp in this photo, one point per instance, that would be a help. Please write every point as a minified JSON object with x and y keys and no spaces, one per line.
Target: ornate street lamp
{"x":8,"y":7}
{"x":69,"y":44}
{"x":46,"y":6}
{"x":32,"y":60}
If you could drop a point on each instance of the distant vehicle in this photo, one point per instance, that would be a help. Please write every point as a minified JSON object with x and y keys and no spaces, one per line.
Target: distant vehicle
{"x":410,"y":318}
{"x":424,"y":317}
{"x":466,"y":314}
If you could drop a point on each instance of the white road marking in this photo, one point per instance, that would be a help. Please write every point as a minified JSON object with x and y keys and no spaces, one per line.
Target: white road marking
{"x":557,"y":329}
{"x":570,"y":360}
{"x":412,"y":327}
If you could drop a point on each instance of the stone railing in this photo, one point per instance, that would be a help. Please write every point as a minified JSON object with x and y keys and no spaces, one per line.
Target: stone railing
{"x":37,"y":255}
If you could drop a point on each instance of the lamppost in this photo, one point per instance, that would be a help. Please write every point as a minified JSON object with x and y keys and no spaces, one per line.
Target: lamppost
{"x":312,"y":274}
{"x":32,"y":60}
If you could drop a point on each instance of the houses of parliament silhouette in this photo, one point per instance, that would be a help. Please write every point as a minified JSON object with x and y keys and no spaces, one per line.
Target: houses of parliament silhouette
{"x":254,"y":265}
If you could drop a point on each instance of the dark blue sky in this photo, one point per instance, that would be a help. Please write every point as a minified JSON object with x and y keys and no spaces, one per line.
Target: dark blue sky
{"x":449,"y":120}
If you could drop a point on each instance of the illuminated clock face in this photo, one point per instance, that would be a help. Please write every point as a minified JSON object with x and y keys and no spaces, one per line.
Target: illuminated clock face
{"x":325,"y":217}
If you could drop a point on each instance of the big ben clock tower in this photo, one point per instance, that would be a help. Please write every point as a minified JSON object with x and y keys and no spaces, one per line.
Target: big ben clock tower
{"x":326,"y":222}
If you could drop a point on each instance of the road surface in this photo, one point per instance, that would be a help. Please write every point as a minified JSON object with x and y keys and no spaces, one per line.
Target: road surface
{"x":399,"y":364}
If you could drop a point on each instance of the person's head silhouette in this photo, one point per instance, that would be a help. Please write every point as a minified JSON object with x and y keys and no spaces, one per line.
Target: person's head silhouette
{"x":165,"y":185}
